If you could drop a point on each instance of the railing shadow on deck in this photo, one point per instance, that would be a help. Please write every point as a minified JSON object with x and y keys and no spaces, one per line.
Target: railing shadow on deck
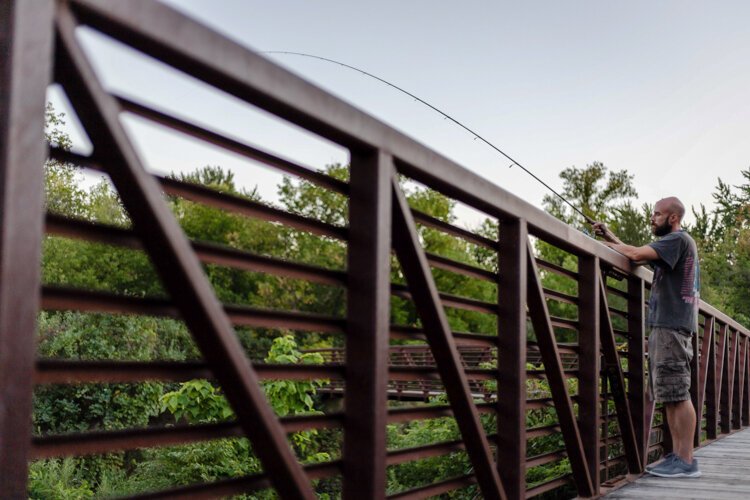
{"x":604,"y":419}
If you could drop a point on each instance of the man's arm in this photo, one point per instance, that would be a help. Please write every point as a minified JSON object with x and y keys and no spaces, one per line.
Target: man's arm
{"x":636,"y":254}
{"x":639,"y":255}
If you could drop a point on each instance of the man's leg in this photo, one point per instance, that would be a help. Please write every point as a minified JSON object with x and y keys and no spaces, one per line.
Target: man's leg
{"x":681,"y":420}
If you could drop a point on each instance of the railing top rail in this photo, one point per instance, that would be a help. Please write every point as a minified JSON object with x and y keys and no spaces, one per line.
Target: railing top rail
{"x":164,"y":33}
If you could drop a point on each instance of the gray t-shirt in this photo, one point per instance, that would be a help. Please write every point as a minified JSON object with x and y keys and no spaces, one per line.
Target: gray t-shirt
{"x":675,"y":291}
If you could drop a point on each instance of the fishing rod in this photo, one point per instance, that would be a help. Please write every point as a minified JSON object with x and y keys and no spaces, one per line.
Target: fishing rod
{"x":445,"y":115}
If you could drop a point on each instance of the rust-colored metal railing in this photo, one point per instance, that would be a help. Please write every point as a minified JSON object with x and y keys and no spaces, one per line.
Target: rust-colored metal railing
{"x":605,"y":421}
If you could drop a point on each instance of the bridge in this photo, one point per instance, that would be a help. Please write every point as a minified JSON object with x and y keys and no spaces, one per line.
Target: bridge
{"x":607,"y":428}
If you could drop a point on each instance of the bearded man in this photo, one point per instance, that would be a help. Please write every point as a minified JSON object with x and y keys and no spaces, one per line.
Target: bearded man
{"x":673,"y":320}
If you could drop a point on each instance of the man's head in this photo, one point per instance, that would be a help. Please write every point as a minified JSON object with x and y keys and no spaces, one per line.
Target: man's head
{"x":667,"y":216}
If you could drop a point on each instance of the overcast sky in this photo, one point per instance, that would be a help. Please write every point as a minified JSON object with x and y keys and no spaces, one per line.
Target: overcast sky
{"x":661,"y":89}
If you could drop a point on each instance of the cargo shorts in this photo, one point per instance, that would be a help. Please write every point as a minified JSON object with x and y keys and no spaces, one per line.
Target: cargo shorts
{"x":669,"y":354}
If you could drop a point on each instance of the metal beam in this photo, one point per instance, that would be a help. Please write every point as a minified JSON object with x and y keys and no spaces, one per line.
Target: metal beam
{"x":368,"y":327}
{"x":589,"y":363}
{"x":511,"y":357}
{"x":637,"y":396}
{"x":26,"y":35}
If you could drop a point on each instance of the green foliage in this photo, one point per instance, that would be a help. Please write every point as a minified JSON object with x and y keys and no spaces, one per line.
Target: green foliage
{"x":425,"y":471}
{"x":57,"y":479}
{"x":199,"y":462}
{"x":197,"y":401}
{"x":291,"y":397}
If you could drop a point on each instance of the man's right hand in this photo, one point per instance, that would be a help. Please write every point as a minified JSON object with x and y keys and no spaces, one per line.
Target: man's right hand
{"x":601,"y":229}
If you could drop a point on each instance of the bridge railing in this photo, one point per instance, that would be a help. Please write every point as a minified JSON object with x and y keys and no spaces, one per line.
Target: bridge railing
{"x":601,"y":411}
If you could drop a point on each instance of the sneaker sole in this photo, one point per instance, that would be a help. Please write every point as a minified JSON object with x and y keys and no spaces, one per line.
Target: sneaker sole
{"x":679,"y":474}
{"x":651,"y":467}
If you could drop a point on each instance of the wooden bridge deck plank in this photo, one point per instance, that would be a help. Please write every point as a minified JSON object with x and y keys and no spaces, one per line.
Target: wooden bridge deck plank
{"x":726,"y":475}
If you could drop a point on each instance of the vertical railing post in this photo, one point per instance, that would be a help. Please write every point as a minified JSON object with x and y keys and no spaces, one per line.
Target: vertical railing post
{"x":637,"y":365}
{"x":368,"y":302}
{"x":739,"y":383}
{"x":589,"y":362}
{"x":725,"y":408}
{"x":26,"y":36}
{"x":511,"y":358}
{"x":694,"y":385}
{"x":711,"y":388}
{"x":704,"y":368}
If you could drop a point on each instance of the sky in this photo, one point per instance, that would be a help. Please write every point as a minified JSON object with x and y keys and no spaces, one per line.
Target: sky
{"x":661,"y":89}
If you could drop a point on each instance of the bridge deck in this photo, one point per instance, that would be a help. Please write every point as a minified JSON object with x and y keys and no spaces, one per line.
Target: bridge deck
{"x":726,"y":475}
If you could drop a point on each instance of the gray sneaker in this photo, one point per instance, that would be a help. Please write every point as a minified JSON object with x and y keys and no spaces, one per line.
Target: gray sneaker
{"x":676,"y":467}
{"x":667,"y":458}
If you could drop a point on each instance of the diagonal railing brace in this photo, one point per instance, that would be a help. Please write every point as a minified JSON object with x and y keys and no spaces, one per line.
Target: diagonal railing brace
{"x":177,"y":264}
{"x":545,"y":336}
{"x":613,"y":369}
{"x":424,"y":292}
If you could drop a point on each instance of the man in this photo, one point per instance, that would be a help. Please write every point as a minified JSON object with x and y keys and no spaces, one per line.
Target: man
{"x":673,"y":320}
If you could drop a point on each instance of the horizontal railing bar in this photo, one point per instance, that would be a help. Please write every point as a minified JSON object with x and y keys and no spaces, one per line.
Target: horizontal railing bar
{"x":224,"y":201}
{"x":561,"y":297}
{"x":546,"y":430}
{"x":235,"y":486}
{"x":457,"y":267}
{"x":461,"y":338}
{"x":619,"y":293}
{"x":448,"y":300}
{"x":58,"y":298}
{"x":549,"y":266}
{"x":395,"y":457}
{"x":538,"y":403}
{"x":545,"y":458}
{"x":396,"y":415}
{"x":562,"y":348}
{"x":435,"y":223}
{"x":99,"y":442}
{"x":434,"y":489}
{"x":78,"y":159}
{"x":55,"y":371}
{"x":617,"y":312}
{"x":548,"y":486}
{"x":212,"y":253}
{"x":50,"y":371}
{"x":232,"y":145}
{"x":244,"y":206}
{"x":209,"y":253}
{"x":572,"y":324}
{"x":536,"y":372}
{"x":60,"y":225}
{"x":408,"y":373}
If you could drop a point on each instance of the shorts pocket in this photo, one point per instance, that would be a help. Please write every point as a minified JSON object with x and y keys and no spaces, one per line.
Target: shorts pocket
{"x":672,"y":381}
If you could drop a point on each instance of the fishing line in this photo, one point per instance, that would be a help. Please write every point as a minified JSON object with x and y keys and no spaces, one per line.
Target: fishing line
{"x":445,"y":115}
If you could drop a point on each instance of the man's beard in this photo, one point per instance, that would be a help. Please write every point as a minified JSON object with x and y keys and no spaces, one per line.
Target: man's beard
{"x":662,"y":230}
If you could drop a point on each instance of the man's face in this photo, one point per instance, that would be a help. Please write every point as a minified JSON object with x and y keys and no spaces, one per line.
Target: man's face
{"x":660,"y":224}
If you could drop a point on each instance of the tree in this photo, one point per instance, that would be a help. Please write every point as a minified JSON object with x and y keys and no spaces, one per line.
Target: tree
{"x":603,"y":196}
